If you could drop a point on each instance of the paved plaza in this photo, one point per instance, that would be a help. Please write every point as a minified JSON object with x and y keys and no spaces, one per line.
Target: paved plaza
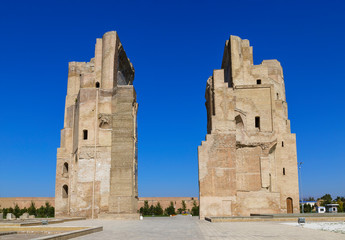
{"x":187,"y":227}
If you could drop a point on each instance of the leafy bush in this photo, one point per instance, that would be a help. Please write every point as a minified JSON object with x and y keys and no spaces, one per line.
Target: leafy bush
{"x":170,"y":210}
{"x":146,"y":209}
{"x":24,"y":210}
{"x":184,"y":206}
{"x":152,"y":210}
{"x":327,"y":199}
{"x":16,"y":211}
{"x":43,"y":211}
{"x":195,"y":209}
{"x":32,"y":209}
{"x":4,"y":211}
{"x":158,"y":211}
{"x":50,"y":210}
{"x":307,"y":208}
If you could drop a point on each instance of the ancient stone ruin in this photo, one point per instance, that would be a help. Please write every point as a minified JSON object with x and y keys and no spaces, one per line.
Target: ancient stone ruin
{"x":96,"y":174}
{"x":248,"y":163}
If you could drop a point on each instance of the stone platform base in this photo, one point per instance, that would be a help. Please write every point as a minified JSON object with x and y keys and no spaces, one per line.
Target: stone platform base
{"x":309,"y":217}
{"x":119,"y":216}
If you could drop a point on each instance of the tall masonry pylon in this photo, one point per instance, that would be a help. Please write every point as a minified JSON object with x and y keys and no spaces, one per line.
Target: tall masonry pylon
{"x":248,"y":162}
{"x":96,"y":171}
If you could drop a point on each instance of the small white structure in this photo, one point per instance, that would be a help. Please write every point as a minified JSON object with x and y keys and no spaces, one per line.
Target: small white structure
{"x":332,"y":208}
{"x":10,"y":216}
{"x":320,"y":209}
{"x":24,"y":216}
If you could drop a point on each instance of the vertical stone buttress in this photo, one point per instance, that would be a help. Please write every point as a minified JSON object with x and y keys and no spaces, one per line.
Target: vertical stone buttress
{"x":96,"y":174}
{"x":248,"y":162}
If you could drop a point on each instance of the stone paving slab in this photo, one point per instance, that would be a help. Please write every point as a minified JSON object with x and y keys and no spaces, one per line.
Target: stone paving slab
{"x":21,"y":236}
{"x":266,"y":219}
{"x":37,"y":221}
{"x":262,"y":230}
{"x":187,"y":227}
{"x":46,"y":232}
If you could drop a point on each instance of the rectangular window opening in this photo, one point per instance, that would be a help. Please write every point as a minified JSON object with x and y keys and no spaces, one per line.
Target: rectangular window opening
{"x":258,"y":81}
{"x":85,"y":134}
{"x":283,"y":171}
{"x":257,"y":122}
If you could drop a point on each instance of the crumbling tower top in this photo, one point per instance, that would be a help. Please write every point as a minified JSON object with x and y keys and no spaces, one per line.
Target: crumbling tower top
{"x":238,"y":61}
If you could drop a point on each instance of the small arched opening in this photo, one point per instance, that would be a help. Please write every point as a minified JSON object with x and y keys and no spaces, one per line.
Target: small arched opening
{"x":65,"y":168}
{"x":65,"y":191}
{"x":239,"y":122}
{"x":289,"y":205}
{"x":97,"y":84}
{"x":239,"y":128}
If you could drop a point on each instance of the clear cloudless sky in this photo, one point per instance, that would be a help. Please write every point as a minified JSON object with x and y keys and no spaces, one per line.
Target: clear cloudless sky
{"x":174,"y":47}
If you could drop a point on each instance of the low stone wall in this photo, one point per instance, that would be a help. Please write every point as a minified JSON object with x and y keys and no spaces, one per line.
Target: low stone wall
{"x":73,"y":234}
{"x":40,"y":201}
{"x":315,"y":217}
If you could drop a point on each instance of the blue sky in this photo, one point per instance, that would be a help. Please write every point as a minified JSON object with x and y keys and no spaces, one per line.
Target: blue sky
{"x":174,"y":46}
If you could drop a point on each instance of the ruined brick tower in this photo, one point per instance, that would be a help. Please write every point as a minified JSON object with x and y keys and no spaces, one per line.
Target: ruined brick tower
{"x":248,"y":163}
{"x":96,"y":172}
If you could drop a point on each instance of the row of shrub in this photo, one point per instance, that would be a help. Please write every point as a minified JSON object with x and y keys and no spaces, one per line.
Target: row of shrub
{"x":158,"y":210}
{"x":42,"y":212}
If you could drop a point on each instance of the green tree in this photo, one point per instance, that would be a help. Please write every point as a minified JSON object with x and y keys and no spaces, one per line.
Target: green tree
{"x":16,"y":211}
{"x":307,"y":208}
{"x":32,"y":209}
{"x":152,"y":210}
{"x":158,"y":210}
{"x":23,"y":210}
{"x":170,"y":210}
{"x":195,"y":209}
{"x":49,"y":210}
{"x":10,"y":210}
{"x":327,"y":199}
{"x":146,"y":208}
{"x":41,"y":212}
{"x":341,"y":205}
{"x":4,"y":211}
{"x":184,"y":207}
{"x":309,"y":199}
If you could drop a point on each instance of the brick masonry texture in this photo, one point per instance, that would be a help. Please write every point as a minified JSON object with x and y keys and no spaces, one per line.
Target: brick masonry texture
{"x":96,"y":173}
{"x":248,"y":162}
